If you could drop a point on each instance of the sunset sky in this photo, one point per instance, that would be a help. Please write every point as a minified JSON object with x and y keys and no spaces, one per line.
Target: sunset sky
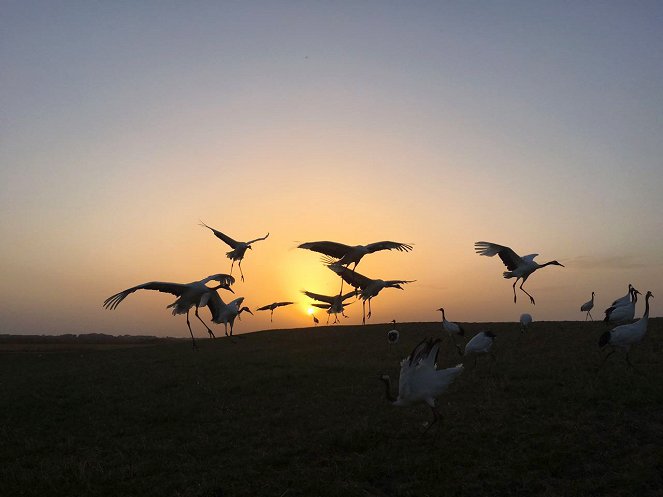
{"x":537,"y":125}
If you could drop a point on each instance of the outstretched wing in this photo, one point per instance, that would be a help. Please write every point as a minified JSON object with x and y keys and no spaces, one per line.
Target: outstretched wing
{"x":387,"y":245}
{"x":224,"y":237}
{"x":321,"y":306}
{"x":224,"y":279}
{"x":173,"y":288}
{"x":281,"y":304}
{"x":332,"y":249}
{"x":257,"y":239}
{"x":264,"y":308}
{"x":320,"y":297}
{"x":510,"y":259}
{"x":351,"y":277}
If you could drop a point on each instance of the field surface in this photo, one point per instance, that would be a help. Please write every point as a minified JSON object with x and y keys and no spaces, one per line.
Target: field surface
{"x":302,"y":413}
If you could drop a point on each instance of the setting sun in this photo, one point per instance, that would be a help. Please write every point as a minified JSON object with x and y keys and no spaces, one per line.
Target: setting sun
{"x":310,"y":311}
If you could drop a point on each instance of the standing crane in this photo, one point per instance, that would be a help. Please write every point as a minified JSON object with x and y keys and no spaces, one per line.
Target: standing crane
{"x":195,"y":294}
{"x":518,"y":267}
{"x":238,"y":248}
{"x":624,"y":336}
{"x":622,"y":313}
{"x":587,"y":307}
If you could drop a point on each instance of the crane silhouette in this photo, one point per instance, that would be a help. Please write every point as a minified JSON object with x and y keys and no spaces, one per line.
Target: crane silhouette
{"x":238,"y":248}
{"x":518,"y":267}
{"x":195,"y":294}
{"x":334,"y":304}
{"x":271,"y":308}
{"x":587,"y":307}
{"x":368,"y":288}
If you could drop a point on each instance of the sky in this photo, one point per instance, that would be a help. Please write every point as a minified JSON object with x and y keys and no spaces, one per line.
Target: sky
{"x":535,"y":125}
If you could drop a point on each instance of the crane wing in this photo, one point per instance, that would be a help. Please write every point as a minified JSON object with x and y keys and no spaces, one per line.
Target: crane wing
{"x":321,"y":306}
{"x":387,"y":245}
{"x":351,"y":277}
{"x":281,"y":304}
{"x":224,"y":279}
{"x":257,"y":239}
{"x":264,"y":307}
{"x":320,"y":297}
{"x":510,"y":259}
{"x":332,"y":249}
{"x":232,"y":243}
{"x":173,"y":288}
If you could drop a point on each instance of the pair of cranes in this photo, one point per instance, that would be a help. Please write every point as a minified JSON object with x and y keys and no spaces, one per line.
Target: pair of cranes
{"x":197,"y":294}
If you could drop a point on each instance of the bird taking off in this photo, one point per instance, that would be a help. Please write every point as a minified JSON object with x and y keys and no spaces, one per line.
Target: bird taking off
{"x":238,"y":248}
{"x":368,"y":288}
{"x":271,"y":308}
{"x":343,"y":255}
{"x":195,"y":294}
{"x":518,"y":267}
{"x":420,"y":380}
{"x":587,"y":307}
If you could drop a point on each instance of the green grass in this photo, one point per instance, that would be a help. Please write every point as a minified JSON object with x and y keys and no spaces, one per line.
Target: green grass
{"x":302,"y":413}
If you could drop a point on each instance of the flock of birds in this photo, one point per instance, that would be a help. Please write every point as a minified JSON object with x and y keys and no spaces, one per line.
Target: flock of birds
{"x":420,"y":380}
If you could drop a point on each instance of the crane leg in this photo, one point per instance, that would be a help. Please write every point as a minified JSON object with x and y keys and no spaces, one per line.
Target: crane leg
{"x":369,"y":309}
{"x":239,"y":264}
{"x":514,"y":290}
{"x":363,"y":316}
{"x":436,"y":418}
{"x":531,"y":299}
{"x":210,"y":332}
{"x":271,"y":316}
{"x":590,"y":315}
{"x":606,"y":358}
{"x":188,"y":323}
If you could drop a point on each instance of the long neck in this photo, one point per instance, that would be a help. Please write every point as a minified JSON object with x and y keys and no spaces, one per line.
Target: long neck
{"x":645,"y":316}
{"x":387,"y":388}
{"x":547,"y":264}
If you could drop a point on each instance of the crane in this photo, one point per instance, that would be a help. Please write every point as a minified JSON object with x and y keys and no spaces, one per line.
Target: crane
{"x":195,"y":294}
{"x":587,"y":307}
{"x":271,"y":307}
{"x":238,"y":248}
{"x":624,"y":336}
{"x":368,"y":288}
{"x":518,"y":267}
{"x":420,"y":381}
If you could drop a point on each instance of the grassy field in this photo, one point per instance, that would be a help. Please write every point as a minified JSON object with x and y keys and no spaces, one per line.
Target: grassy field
{"x":302,"y":413}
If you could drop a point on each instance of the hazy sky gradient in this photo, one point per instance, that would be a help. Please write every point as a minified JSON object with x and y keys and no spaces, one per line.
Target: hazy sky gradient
{"x":536,"y":125}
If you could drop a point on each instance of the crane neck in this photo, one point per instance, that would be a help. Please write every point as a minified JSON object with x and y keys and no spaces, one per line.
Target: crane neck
{"x":645,"y":316}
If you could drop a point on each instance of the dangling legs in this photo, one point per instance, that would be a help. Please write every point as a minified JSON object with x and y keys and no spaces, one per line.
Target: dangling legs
{"x":239,"y":264}
{"x":521,"y":287}
{"x":369,"y":309}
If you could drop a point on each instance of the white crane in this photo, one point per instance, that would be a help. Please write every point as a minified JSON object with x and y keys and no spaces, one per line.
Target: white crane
{"x":271,"y":308}
{"x":420,"y":381}
{"x":480,"y":343}
{"x":518,"y":267}
{"x":625,"y":299}
{"x":452,"y":330}
{"x":587,"y":307}
{"x":368,"y":288}
{"x":238,"y":248}
{"x":334,"y":304}
{"x":195,"y":294}
{"x":393,"y":335}
{"x":226,"y":313}
{"x":525,"y":321}
{"x":624,"y":336}
{"x":623,"y":313}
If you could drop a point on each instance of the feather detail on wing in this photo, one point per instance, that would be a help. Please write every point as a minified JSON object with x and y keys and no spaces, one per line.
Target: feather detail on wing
{"x":351,"y":277}
{"x":173,"y":288}
{"x":388,"y":245}
{"x":510,"y":259}
{"x":257,"y":239}
{"x":232,"y":243}
{"x":332,"y":249}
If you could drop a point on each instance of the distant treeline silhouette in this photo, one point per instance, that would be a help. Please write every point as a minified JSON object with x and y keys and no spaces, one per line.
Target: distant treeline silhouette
{"x":100,"y":338}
